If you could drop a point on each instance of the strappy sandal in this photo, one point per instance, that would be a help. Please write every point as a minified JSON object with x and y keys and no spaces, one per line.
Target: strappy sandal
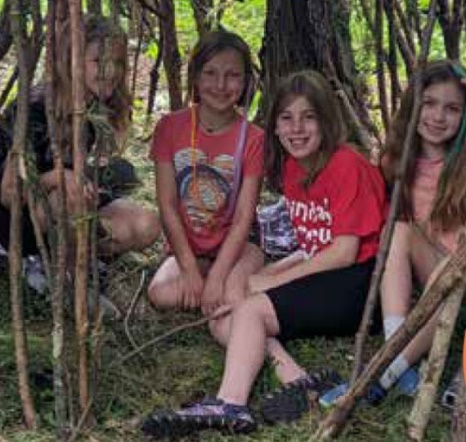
{"x":289,"y":402}
{"x":207,"y":414}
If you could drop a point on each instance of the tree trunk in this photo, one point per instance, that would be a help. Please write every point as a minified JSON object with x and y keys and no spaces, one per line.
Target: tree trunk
{"x":201,"y":9}
{"x":82,"y":223}
{"x":310,"y":34}
{"x":171,"y":54}
{"x":59,"y":255}
{"x":18,"y":27}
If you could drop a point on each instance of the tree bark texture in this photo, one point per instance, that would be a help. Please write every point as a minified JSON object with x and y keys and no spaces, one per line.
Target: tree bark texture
{"x":171,"y":54}
{"x":310,"y":34}
{"x":59,"y":254}
{"x":18,"y":28}
{"x":82,"y":222}
{"x":428,"y":388}
{"x":201,"y":9}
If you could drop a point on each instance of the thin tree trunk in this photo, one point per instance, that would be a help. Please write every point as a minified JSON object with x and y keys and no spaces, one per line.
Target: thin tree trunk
{"x":451,"y":22}
{"x":82,"y":223}
{"x":201,"y":9}
{"x":422,"y":407}
{"x":18,"y":27}
{"x":171,"y":54}
{"x":60,"y":256}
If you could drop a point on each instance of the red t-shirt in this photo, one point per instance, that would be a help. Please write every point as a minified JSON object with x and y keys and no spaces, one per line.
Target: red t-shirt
{"x":205,"y":174}
{"x":346,"y":198}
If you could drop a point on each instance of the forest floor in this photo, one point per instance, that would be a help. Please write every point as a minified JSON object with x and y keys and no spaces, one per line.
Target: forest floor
{"x":185,"y":366}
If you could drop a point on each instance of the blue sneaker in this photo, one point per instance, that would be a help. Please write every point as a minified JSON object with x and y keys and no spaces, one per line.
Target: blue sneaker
{"x":374,"y":396}
{"x":408,"y":382}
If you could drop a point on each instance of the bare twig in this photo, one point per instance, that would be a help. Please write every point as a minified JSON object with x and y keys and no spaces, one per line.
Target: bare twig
{"x":134,"y":303}
{"x":216,"y":315}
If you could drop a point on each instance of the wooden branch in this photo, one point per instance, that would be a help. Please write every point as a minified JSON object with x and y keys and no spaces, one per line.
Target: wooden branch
{"x":18,"y":28}
{"x":171,"y":54}
{"x":82,"y":221}
{"x":379,"y":58}
{"x":450,"y":275}
{"x":226,"y":310}
{"x":394,"y":203}
{"x":59,"y":250}
{"x":428,"y":388}
{"x":154,"y":73}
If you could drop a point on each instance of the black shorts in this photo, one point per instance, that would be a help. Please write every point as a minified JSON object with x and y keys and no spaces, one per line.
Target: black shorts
{"x":329,"y":303}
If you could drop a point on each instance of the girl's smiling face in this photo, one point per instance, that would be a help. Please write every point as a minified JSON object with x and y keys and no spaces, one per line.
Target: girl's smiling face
{"x":298,"y":129}
{"x":220,"y":83}
{"x":440,"y":117}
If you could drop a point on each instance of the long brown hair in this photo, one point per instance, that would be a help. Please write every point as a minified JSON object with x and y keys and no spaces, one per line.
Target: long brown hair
{"x":449,"y":210}
{"x":316,"y":89}
{"x":113,"y":41}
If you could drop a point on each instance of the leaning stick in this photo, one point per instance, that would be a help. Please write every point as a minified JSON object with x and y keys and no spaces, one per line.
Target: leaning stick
{"x":425,"y":399}
{"x":222,"y":311}
{"x":394,"y":203}
{"x":449,"y":275}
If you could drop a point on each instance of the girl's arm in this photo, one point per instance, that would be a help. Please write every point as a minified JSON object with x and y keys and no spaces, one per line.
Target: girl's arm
{"x":233,"y":245}
{"x":341,"y":253}
{"x":167,"y":198}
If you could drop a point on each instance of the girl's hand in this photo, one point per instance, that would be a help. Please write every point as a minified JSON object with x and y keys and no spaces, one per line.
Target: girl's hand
{"x":212,"y":297}
{"x":193,"y":286}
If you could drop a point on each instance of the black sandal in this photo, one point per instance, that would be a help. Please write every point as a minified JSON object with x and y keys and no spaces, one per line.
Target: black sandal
{"x":289,"y":402}
{"x":207,"y":414}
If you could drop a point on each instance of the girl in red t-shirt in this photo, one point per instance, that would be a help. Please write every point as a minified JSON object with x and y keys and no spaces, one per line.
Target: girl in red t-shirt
{"x":209,"y":163}
{"x":336,"y":203}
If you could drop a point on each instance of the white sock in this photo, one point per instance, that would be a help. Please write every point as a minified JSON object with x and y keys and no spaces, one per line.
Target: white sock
{"x":394,"y":371}
{"x":391,"y":324}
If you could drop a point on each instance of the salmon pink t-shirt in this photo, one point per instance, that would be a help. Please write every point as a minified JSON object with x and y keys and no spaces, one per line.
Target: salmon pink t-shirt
{"x":204,"y":173}
{"x":346,"y":198}
{"x":424,"y":191}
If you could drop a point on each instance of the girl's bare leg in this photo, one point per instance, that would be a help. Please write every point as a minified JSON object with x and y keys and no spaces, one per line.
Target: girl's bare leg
{"x":252,"y":323}
{"x":250,"y":262}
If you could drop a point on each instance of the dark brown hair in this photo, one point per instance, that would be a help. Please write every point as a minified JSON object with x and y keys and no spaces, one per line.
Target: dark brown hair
{"x":210,"y":45}
{"x":316,"y":89}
